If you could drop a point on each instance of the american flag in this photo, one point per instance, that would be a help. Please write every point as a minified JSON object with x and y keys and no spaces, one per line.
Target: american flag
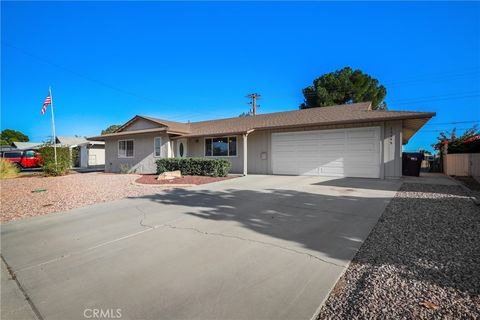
{"x":47,"y":101}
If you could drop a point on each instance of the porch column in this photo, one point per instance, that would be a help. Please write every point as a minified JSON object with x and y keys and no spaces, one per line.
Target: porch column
{"x":245,"y":164}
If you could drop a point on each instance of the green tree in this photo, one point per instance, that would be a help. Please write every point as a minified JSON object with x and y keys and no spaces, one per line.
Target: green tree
{"x":111,"y":129}
{"x":342,"y":87}
{"x":8,"y":136}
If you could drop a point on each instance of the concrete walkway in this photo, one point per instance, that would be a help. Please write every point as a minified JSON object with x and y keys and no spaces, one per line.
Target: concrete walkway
{"x":256,"y":247}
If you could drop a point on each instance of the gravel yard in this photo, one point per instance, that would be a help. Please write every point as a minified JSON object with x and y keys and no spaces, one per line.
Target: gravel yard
{"x":66,"y":192}
{"x":422,"y":260}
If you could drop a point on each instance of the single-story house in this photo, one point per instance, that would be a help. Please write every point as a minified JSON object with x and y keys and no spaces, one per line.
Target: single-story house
{"x":91,"y":153}
{"x":27,"y":145}
{"x":345,"y":141}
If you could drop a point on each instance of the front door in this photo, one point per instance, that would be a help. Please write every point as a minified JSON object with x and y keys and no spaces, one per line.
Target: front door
{"x":181,"y":148}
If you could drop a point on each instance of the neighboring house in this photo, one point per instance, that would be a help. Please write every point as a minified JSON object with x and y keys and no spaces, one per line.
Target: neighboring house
{"x":345,"y":141}
{"x":27,"y":145}
{"x":92,"y":153}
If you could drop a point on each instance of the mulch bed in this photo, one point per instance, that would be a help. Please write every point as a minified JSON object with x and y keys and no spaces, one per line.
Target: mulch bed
{"x":152,"y":179}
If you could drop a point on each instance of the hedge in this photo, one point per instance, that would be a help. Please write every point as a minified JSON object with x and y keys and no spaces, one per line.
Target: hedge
{"x":48,"y":160}
{"x":195,"y":166}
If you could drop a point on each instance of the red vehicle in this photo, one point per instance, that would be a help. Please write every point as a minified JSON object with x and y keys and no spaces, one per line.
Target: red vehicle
{"x":23,"y":158}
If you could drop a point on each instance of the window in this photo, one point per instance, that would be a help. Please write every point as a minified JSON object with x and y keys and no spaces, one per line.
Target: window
{"x":125,"y":148}
{"x":30,"y":154}
{"x":12,"y":155}
{"x":221,"y":147}
{"x":157,"y":146}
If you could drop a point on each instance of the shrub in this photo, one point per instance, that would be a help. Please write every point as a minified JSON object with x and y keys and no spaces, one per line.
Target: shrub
{"x":7,"y":169}
{"x":76,"y":157}
{"x":125,"y":168}
{"x":195,"y":166}
{"x":48,"y":160}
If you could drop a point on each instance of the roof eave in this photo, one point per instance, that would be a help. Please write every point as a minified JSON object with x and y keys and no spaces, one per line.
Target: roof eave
{"x":126,"y":133}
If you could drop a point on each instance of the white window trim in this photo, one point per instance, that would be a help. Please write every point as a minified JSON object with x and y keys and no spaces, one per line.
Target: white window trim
{"x":154,"y":155}
{"x":212,"y":156}
{"x":125,"y":156}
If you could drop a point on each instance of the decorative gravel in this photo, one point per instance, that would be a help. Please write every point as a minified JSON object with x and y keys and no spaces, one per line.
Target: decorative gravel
{"x":64,"y":193}
{"x":421,"y":261}
{"x":152,"y":179}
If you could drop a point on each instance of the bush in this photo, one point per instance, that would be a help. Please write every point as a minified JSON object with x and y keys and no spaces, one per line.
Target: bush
{"x":76,"y":157}
{"x":195,"y":166}
{"x":125,"y":168}
{"x":48,"y":160}
{"x":7,"y":169}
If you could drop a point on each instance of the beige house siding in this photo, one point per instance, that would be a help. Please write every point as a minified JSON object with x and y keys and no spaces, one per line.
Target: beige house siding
{"x":392,"y":149}
{"x":143,"y":160}
{"x":141,"y":124}
{"x":258,"y":156}
{"x":259,"y":149}
{"x":196,"y":148}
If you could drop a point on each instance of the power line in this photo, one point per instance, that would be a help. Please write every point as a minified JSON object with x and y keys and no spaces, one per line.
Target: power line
{"x":456,"y":122}
{"x":447,"y":95}
{"x":439,"y":130}
{"x":434,"y":77}
{"x":102,"y":83}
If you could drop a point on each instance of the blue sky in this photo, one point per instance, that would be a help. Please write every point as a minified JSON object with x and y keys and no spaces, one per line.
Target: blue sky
{"x":107,"y":61}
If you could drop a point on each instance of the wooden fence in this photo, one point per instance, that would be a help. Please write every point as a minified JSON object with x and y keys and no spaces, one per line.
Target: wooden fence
{"x":462,"y":164}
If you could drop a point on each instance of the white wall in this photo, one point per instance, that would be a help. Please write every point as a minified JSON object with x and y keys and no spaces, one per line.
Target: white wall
{"x":96,"y":156}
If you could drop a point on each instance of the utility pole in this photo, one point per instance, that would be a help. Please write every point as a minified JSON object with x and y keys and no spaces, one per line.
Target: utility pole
{"x":253,"y":103}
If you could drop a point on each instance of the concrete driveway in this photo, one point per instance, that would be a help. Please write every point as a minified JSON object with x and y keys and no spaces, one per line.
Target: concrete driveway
{"x":256,"y":247}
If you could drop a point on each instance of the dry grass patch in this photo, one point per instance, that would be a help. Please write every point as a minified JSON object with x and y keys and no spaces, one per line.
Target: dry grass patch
{"x":7,"y":169}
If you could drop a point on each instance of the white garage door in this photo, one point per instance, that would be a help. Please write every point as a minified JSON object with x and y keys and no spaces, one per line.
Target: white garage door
{"x":341,"y":152}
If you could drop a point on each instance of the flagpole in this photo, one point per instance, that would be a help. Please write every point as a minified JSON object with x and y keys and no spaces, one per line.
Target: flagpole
{"x":53,"y":126}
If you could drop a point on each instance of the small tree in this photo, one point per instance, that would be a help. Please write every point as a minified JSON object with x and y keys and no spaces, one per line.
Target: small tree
{"x":111,"y":129}
{"x":49,"y":167}
{"x":342,"y":87}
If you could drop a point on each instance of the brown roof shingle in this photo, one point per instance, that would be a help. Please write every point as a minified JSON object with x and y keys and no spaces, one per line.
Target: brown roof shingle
{"x":342,"y":114}
{"x":354,"y":113}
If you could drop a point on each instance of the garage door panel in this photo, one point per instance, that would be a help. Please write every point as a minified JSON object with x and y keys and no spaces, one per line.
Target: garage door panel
{"x":332,"y":171}
{"x":342,"y":152}
{"x":362,"y":147}
{"x":361,"y":134}
{"x":325,"y":159}
{"x":325,"y":148}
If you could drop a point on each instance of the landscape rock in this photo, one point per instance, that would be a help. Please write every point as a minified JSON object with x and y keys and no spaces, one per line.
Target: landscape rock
{"x":169,"y":175}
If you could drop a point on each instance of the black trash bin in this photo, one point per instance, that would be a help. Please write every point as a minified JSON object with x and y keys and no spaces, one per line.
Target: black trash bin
{"x":411,"y":163}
